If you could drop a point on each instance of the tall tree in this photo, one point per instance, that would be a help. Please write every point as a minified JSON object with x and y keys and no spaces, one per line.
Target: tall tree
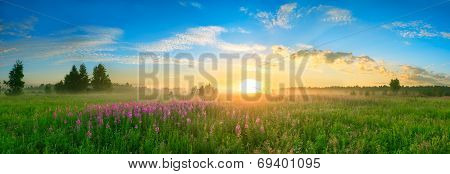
{"x":60,"y":87}
{"x":72,"y":80}
{"x":100,"y":80}
{"x":395,"y":85}
{"x":15,"y":82}
{"x":84,"y":78}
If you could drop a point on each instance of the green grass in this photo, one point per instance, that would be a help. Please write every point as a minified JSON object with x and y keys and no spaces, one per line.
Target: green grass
{"x":350,"y":124}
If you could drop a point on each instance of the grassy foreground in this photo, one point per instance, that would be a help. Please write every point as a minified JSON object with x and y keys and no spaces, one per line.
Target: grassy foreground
{"x":113,"y":123}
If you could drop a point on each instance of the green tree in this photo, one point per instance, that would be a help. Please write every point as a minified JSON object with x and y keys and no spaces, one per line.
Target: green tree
{"x":84,"y":78}
{"x":48,"y":88}
{"x":395,"y":85}
{"x":72,"y":80}
{"x":60,"y":87}
{"x":15,"y":82}
{"x":100,"y":80}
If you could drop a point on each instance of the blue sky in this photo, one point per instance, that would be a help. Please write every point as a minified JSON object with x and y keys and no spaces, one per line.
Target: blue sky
{"x":50,"y":36}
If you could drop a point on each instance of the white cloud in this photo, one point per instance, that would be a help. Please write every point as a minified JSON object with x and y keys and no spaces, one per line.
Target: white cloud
{"x":192,"y":4}
{"x":225,"y":46}
{"x":207,"y":36}
{"x":243,"y":10}
{"x":282,"y":18}
{"x":302,"y":46}
{"x":445,"y":35}
{"x":83,"y":43}
{"x":287,"y":13}
{"x":196,"y":5}
{"x":18,"y":29}
{"x":240,"y":30}
{"x":415,"y":29}
{"x":337,"y":15}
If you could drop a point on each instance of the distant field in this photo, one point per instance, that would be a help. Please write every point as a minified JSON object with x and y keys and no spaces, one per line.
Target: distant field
{"x":42,"y":123}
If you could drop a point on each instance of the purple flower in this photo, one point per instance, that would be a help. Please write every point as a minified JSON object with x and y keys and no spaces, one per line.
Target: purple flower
{"x":78,"y":122}
{"x":130,"y":114}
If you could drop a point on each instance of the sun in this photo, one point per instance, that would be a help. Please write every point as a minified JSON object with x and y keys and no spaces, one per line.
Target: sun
{"x":250,"y":86}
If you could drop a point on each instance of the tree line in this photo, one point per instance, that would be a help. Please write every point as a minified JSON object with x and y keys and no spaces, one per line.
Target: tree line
{"x":79,"y":81}
{"x":75,"y":81}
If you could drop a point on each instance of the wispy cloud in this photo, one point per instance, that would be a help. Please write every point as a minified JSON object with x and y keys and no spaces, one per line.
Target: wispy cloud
{"x":190,"y":4}
{"x":286,"y":14}
{"x":18,"y":29}
{"x":281,"y":18}
{"x":240,"y":30}
{"x":415,"y":29}
{"x":83,"y":43}
{"x":337,"y":15}
{"x":207,"y":36}
{"x":445,"y":35}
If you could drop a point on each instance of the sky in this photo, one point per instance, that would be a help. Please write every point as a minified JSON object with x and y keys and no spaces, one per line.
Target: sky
{"x":345,"y":42}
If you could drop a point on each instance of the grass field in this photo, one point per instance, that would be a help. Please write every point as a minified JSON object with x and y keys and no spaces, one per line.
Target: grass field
{"x":114,"y":123}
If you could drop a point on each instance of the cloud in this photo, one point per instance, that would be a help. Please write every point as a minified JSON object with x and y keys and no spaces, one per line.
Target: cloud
{"x":445,"y":35}
{"x":240,"y":30}
{"x":5,"y":50}
{"x":415,"y":74}
{"x":192,"y":4}
{"x":207,"y":36}
{"x":83,"y":43}
{"x":282,"y":18}
{"x":302,"y":46}
{"x":337,"y":15}
{"x":364,"y":63}
{"x":347,"y":62}
{"x":415,"y":29}
{"x":18,"y":29}
{"x":243,"y":10}
{"x":287,"y":13}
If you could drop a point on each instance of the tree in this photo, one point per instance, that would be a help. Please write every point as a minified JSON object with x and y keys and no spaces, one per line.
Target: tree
{"x":100,"y":80}
{"x":194,"y":90}
{"x":395,"y":85}
{"x":59,"y":87}
{"x":15,"y":82}
{"x":72,"y":80}
{"x":48,"y":88}
{"x":84,"y":78}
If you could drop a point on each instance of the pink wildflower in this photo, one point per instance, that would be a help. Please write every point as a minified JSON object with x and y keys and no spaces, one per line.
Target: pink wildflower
{"x":157,"y":129}
{"x":188,"y":121}
{"x":258,"y":120}
{"x":261,"y":129}
{"x":78,"y":122}
{"x":129,"y":114}
{"x":238,"y":130}
{"x":89,"y":134}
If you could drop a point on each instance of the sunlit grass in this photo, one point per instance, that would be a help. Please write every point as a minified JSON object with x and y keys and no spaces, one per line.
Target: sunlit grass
{"x":323,"y":124}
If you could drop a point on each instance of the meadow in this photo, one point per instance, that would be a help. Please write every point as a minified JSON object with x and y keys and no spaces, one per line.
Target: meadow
{"x":117,"y":123}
